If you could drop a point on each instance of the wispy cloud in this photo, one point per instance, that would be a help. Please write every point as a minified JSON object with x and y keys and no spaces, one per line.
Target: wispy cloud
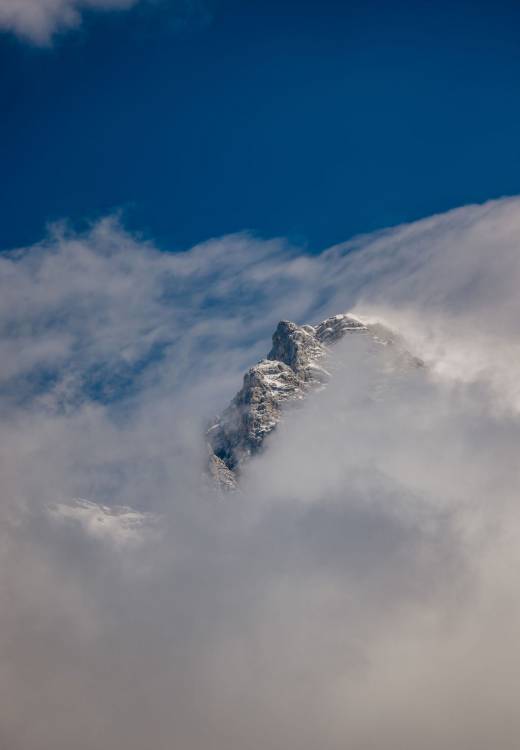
{"x":38,"y":20}
{"x":367,"y":567}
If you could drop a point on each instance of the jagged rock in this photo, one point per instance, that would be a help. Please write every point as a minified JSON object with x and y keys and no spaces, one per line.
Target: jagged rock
{"x":291,"y":368}
{"x":296,"y":346}
{"x":220,"y":474}
{"x":333,"y":329}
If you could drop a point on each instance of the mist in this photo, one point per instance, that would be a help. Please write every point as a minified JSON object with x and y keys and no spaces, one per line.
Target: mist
{"x":358,"y":590}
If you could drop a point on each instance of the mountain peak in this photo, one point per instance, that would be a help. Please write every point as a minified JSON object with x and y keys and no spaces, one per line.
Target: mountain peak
{"x":290,"y":369}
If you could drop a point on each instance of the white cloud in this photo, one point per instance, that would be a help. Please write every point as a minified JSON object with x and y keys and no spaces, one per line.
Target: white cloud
{"x":39,"y":20}
{"x":360,"y":590}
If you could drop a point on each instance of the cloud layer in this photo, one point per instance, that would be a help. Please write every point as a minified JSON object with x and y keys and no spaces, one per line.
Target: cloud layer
{"x":39,"y":20}
{"x":360,"y":590}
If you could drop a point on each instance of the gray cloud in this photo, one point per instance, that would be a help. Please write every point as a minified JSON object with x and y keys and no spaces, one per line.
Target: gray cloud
{"x":360,"y":590}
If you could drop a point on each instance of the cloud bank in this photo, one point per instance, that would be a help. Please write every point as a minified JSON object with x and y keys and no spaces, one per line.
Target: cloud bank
{"x":38,"y":20}
{"x":360,"y":590}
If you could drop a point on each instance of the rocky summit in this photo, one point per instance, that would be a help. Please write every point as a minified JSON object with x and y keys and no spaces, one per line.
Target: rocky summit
{"x":291,"y":368}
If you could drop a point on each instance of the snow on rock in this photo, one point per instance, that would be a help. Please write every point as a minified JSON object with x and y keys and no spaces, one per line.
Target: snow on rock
{"x":291,"y":368}
{"x":120,"y":525}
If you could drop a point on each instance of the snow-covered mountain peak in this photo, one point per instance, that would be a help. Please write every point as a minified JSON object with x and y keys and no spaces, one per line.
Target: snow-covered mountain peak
{"x":290,"y":369}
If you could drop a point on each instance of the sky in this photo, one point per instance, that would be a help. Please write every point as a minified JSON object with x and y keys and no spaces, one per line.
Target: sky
{"x":360,"y":587}
{"x":198,"y":118}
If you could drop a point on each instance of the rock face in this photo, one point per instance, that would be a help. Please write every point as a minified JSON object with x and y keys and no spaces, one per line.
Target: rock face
{"x":291,"y":368}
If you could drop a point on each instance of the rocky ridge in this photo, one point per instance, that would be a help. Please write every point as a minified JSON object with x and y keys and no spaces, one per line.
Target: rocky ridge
{"x":291,"y":368}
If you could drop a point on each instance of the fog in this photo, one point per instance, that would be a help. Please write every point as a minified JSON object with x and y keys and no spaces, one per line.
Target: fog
{"x":359,"y":590}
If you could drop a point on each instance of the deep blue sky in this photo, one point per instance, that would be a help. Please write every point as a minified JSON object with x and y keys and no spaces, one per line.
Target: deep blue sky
{"x":311,"y":120}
